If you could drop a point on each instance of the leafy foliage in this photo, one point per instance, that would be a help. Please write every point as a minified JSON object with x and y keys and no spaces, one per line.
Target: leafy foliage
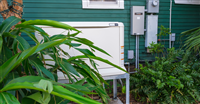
{"x":163,"y":31}
{"x":171,"y":79}
{"x":192,"y":41}
{"x":38,"y":83}
{"x":156,"y":48}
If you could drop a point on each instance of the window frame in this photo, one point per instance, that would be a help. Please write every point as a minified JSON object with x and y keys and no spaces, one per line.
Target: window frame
{"x":195,"y":2}
{"x":87,"y":5}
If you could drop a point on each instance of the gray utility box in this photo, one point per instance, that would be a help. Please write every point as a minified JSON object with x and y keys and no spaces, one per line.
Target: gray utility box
{"x":152,"y":29}
{"x":173,"y":37}
{"x":137,"y":20}
{"x":152,"y":6}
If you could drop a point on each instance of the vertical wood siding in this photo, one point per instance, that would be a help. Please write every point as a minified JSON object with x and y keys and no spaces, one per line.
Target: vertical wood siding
{"x":184,"y":17}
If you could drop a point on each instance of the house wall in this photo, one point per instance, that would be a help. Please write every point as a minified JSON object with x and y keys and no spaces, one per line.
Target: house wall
{"x":184,"y":17}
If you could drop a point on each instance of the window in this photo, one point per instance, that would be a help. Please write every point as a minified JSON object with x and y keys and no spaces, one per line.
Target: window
{"x":103,"y":4}
{"x":197,"y":2}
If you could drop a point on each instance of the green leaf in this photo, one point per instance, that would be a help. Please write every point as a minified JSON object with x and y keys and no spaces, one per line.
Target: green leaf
{"x":99,"y":59}
{"x":23,"y":44}
{"x":39,"y":98}
{"x":8,"y":23}
{"x":27,"y":67}
{"x":40,"y":30}
{"x":7,"y":34}
{"x":74,"y":44}
{"x":28,"y":82}
{"x":49,"y":44}
{"x":1,"y":43}
{"x":59,"y":36}
{"x":159,"y":84}
{"x":27,"y":100}
{"x":89,"y":72}
{"x":49,"y":23}
{"x":60,"y":91}
{"x":85,"y":51}
{"x":30,"y":35}
{"x":39,"y":66}
{"x":85,"y":42}
{"x":7,"y":67}
{"x":45,"y":85}
{"x":5,"y":54}
{"x":67,"y":67}
{"x":80,"y":82}
{"x":124,"y":89}
{"x":6,"y":98}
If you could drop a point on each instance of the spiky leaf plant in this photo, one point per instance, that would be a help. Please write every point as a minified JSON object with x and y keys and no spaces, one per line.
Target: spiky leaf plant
{"x":25,"y":77}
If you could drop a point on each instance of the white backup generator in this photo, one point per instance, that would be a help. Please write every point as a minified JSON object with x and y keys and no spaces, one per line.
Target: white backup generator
{"x":108,"y":36}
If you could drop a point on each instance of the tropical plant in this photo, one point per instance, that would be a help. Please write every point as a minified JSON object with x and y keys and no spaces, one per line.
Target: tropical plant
{"x":192,"y":39}
{"x":26,"y":77}
{"x":168,"y":79}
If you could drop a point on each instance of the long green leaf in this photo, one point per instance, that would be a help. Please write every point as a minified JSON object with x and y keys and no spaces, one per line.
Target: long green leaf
{"x":28,"y":82}
{"x":30,"y":35}
{"x":7,"y":98}
{"x":67,"y":67}
{"x":1,"y":43}
{"x":7,"y":67}
{"x":39,"y":98}
{"x":49,"y":23}
{"x":39,"y":66}
{"x":49,"y":44}
{"x":23,"y":44}
{"x":60,"y":91}
{"x":85,"y":51}
{"x":16,"y":60}
{"x":97,"y":58}
{"x":5,"y":54}
{"x":91,"y":45}
{"x":8,"y":23}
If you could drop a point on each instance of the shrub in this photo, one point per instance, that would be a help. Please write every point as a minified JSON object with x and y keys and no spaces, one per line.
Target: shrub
{"x":171,"y":79}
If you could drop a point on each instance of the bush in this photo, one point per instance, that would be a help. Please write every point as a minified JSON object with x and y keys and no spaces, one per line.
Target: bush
{"x":170,"y":79}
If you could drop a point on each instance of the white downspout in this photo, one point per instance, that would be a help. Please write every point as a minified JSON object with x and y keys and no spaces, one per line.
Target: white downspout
{"x":170,"y":23}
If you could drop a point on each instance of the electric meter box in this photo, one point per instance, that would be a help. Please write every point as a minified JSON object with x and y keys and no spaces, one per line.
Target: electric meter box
{"x":137,"y":20}
{"x":152,"y":6}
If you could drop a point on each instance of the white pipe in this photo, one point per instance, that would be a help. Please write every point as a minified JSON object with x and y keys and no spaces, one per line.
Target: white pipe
{"x":170,"y":23}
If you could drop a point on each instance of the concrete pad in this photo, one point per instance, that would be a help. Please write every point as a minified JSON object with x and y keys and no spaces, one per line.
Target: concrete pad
{"x":115,"y":101}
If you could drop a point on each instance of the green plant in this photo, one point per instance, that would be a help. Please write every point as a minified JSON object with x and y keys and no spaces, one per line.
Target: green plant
{"x":168,"y":79}
{"x":156,"y":48}
{"x":192,"y":41}
{"x":163,"y":31}
{"x":21,"y":83}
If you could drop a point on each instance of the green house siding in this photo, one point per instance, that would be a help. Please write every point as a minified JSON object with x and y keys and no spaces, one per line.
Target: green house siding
{"x":184,"y":17}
